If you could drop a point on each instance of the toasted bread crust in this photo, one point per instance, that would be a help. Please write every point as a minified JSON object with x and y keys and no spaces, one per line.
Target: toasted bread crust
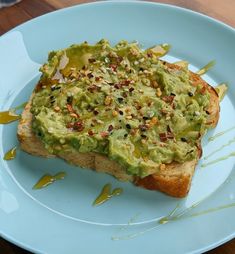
{"x":174,"y":180}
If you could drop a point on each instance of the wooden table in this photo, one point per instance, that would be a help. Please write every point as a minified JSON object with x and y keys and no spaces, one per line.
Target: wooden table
{"x":28,"y":9}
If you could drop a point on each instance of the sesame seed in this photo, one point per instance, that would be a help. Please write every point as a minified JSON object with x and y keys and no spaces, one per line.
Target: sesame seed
{"x":128,"y":126}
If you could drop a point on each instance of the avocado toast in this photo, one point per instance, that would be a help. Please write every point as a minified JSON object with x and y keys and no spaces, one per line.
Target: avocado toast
{"x":122,"y":111}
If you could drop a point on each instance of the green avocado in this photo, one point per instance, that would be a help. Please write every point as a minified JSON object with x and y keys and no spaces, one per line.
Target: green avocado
{"x":120,"y":101}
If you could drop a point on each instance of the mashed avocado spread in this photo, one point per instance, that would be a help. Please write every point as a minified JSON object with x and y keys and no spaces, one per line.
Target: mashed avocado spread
{"x":119,"y":101}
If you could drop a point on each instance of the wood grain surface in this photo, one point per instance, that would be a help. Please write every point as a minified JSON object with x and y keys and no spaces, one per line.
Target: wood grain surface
{"x":28,"y":9}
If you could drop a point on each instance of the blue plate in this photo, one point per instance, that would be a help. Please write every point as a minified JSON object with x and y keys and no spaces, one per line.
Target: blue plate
{"x":60,"y":218}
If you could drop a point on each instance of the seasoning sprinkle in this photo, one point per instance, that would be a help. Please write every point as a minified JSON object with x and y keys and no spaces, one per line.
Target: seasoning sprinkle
{"x":128,"y":126}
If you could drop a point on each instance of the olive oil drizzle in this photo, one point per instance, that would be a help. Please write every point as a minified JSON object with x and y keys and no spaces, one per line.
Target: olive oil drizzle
{"x":106,"y":194}
{"x":171,"y":217}
{"x":205,"y":68}
{"x":218,"y":160}
{"x":10,"y":115}
{"x":219,"y":149}
{"x":48,"y":179}
{"x":221,"y":133}
{"x":11,"y":154}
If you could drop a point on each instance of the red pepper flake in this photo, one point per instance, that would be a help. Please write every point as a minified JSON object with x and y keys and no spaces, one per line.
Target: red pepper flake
{"x":110,"y":128}
{"x":169,"y":98}
{"x":143,"y":127}
{"x":90,"y":133}
{"x":163,"y":136}
{"x":69,"y":107}
{"x":69,"y":125}
{"x":203,"y":90}
{"x":78,"y":126}
{"x":98,"y":78}
{"x":170,"y":135}
{"x":118,"y":86}
{"x":113,"y":67}
{"x":131,"y":89}
{"x":104,"y":134}
{"x":126,"y":82}
{"x":119,"y":59}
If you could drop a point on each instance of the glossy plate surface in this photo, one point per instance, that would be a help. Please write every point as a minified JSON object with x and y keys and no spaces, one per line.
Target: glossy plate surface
{"x":60,"y":218}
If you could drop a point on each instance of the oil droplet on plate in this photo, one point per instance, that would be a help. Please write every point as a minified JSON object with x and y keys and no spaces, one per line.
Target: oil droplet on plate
{"x":11,"y":154}
{"x":106,"y":194}
{"x":48,"y":179}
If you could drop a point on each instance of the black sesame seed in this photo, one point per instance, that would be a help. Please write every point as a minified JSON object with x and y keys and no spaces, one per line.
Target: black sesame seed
{"x":52,"y":102}
{"x":120,"y":112}
{"x":128,"y":126}
{"x":69,"y":99}
{"x":110,"y":128}
{"x":52,"y":97}
{"x":145,"y":118}
{"x":183,"y":139}
{"x":53,"y":88}
{"x":131,"y":89}
{"x":190,"y":94}
{"x":125,"y":135}
{"x":96,"y":112}
{"x":172,"y":94}
{"x":120,"y":99}
{"x":58,"y":87}
{"x":124,"y":94}
{"x":143,"y":136}
{"x":90,"y":75}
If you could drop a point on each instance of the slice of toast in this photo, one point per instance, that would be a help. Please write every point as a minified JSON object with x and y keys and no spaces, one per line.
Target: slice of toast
{"x":174,"y":179}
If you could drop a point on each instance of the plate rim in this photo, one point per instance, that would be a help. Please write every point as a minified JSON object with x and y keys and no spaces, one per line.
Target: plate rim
{"x":26,"y":246}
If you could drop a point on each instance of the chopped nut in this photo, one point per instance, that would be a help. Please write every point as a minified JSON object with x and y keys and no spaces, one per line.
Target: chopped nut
{"x":107,"y":101}
{"x":127,"y":109}
{"x":114,"y":113}
{"x":168,"y":118}
{"x":74,"y":115}
{"x":154,"y":121}
{"x":136,"y":63}
{"x":159,"y":92}
{"x":154,"y":84}
{"x":145,"y":158}
{"x":128,"y":117}
{"x":162,"y":166}
{"x":100,"y":121}
{"x":56,"y":109}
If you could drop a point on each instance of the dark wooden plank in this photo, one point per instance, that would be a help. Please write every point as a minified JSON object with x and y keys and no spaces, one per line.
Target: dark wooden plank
{"x":11,"y":17}
{"x":35,"y":8}
{"x":8,"y":248}
{"x":21,"y":12}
